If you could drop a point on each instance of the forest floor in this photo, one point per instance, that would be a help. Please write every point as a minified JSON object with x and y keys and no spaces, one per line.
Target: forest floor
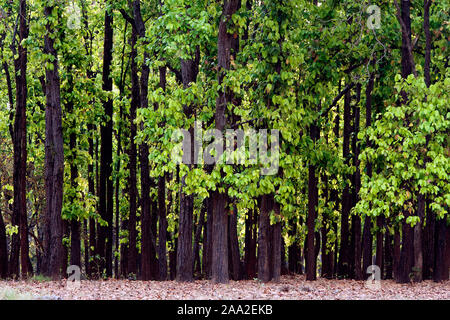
{"x":289,"y":288}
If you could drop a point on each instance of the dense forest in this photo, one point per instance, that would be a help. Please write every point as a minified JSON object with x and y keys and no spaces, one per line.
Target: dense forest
{"x":355,"y":96}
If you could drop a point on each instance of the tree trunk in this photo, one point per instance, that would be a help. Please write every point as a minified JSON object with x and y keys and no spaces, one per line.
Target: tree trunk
{"x":406,"y":262}
{"x":197,"y":235}
{"x":446,"y":271}
{"x":408,"y":67}
{"x":418,"y":255}
{"x":294,"y":250}
{"x":344,"y":254}
{"x":264,"y":238}
{"x":184,"y":257}
{"x":356,"y":219}
{"x":132,"y":154}
{"x":313,"y":198}
{"x":379,"y":259}
{"x":105,"y":234}
{"x":428,"y":243}
{"x":207,"y":240}
{"x":367,"y":232}
{"x":75,"y":243}
{"x":440,"y":244}
{"x":396,"y":258}
{"x":235,"y":257}
{"x":276,"y":246}
{"x":20,"y":143}
{"x":389,"y":253}
{"x":250,"y":244}
{"x":162,"y":252}
{"x":224,"y":45}
{"x":3,"y":249}
{"x":54,"y":162}
{"x":91,"y":185}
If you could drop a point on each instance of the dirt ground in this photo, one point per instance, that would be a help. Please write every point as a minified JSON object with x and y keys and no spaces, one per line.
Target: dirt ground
{"x":289,"y":287}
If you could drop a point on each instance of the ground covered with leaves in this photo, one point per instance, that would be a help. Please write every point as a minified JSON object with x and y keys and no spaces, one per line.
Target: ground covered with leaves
{"x":288,"y":288}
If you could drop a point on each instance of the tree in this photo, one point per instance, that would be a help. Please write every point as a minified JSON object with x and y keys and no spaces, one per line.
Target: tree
{"x":54,"y":155}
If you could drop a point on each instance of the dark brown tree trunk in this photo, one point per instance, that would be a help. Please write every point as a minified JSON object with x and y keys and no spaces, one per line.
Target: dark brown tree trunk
{"x":91,"y":185}
{"x":250,"y":244}
{"x":418,"y":254}
{"x":106,"y":204}
{"x":219,"y":264}
{"x":117,"y":199}
{"x":207,"y":240}
{"x":446,"y":271}
{"x":149,"y":266}
{"x":440,"y":244}
{"x":75,"y":243}
{"x":132,"y":154}
{"x":13,"y":267}
{"x":65,"y":255}
{"x":3,"y":249}
{"x":162,"y":251}
{"x":408,"y":67}
{"x":406,"y":262}
{"x":428,"y":243}
{"x":20,"y":143}
{"x":327,"y":253}
{"x":264,"y":253}
{"x":184,"y":256}
{"x":344,"y":254}
{"x":173,"y":256}
{"x":367,"y":232}
{"x":356,"y":219}
{"x":397,"y":251}
{"x":389,"y":253}
{"x":86,"y":246}
{"x":197,"y":236}
{"x":276,"y":246}
{"x":294,"y":250}
{"x":313,"y":198}
{"x":428,"y":39}
{"x":54,"y":162}
{"x":124,"y":252}
{"x":379,"y":258}
{"x":234,"y":254}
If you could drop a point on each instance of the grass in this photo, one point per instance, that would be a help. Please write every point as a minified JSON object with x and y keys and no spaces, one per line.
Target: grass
{"x":40,"y":278}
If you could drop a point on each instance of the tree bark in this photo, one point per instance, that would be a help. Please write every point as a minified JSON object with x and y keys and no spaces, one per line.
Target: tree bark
{"x":20,"y":143}
{"x":367,"y":232}
{"x":276,"y":246}
{"x":234,"y":254}
{"x":356,"y":219}
{"x":264,"y":238}
{"x":344,"y":254}
{"x":75,"y":243}
{"x":132,"y":154}
{"x":313,"y":198}
{"x":106,"y":192}
{"x":418,"y":254}
{"x":440,"y":244}
{"x":3,"y":249}
{"x":91,"y":185}
{"x":54,"y":161}
{"x":250,"y":244}
{"x":184,"y":258}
